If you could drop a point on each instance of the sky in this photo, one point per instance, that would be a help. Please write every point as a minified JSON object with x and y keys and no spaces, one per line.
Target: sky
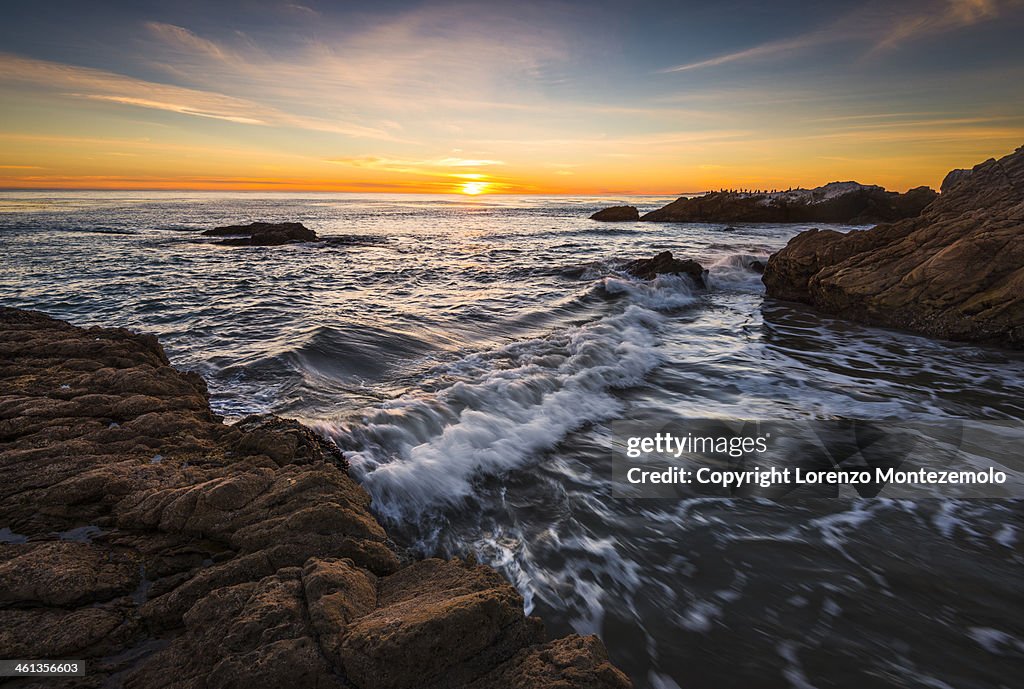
{"x":515,"y":97}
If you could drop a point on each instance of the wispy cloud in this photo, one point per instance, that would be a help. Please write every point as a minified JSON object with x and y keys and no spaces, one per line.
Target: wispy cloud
{"x":99,"y":85}
{"x":760,"y":51}
{"x":437,"y":56}
{"x":170,"y":107}
{"x":183,"y":38}
{"x":665,"y":140}
{"x":934,"y":135}
{"x":879,"y":26}
{"x":956,"y":14}
{"x":301,"y":9}
{"x":430,"y":166}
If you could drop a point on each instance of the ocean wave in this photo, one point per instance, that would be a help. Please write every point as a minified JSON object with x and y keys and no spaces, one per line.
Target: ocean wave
{"x":664,"y":293}
{"x":736,"y":272}
{"x":94,"y":230}
{"x":495,"y":411}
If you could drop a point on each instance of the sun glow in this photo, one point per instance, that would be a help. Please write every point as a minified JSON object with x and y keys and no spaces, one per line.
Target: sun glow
{"x":474,"y":188}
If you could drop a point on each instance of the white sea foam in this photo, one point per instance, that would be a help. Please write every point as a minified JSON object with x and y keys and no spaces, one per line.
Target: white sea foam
{"x":423,"y":450}
{"x":663,"y":293}
{"x":734,"y":272}
{"x":660,"y":681}
{"x":1006,"y":536}
{"x":995,"y":641}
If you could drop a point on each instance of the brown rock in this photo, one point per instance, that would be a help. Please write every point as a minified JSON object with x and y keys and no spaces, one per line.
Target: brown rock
{"x":438,"y":622}
{"x":570,"y":661}
{"x":836,"y":202}
{"x":263,"y":234}
{"x":617,"y":214}
{"x":62,"y":574}
{"x":952,"y":178}
{"x":86,"y":632}
{"x":215,"y":556}
{"x":955,"y":272}
{"x":665,"y":264}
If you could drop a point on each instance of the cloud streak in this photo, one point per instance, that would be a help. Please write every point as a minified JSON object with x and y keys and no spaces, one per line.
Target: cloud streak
{"x":873,"y":25}
{"x":429,"y":58}
{"x":436,"y":167}
{"x":98,"y":85}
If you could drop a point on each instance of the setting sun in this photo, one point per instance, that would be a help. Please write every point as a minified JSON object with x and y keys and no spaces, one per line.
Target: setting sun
{"x":474,"y":188}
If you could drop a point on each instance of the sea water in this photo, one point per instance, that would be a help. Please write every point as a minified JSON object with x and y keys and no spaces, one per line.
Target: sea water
{"x":471,"y":356}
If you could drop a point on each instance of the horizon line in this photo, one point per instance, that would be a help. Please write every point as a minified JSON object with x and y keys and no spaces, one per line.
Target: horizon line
{"x":343,"y":191}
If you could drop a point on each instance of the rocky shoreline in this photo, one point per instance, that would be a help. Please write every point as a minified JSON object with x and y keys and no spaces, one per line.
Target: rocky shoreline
{"x":170,"y":550}
{"x":956,"y":272}
{"x":837,"y":202}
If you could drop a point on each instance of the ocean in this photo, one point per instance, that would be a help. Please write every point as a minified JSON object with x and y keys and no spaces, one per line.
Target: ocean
{"x":472,"y":355}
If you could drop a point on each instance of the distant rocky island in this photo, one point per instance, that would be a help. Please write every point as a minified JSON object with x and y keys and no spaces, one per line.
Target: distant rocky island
{"x":617,"y":214}
{"x":956,"y":271}
{"x":950,"y":265}
{"x":837,"y":202}
{"x":268,"y":234}
{"x":263,"y":234}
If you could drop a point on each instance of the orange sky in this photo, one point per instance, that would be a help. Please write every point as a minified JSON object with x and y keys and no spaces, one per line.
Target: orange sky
{"x":431,"y":99}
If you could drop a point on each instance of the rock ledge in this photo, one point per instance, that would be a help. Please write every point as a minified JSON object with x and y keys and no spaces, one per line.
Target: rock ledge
{"x":172,"y":551}
{"x":955,"y":272}
{"x":836,"y":202}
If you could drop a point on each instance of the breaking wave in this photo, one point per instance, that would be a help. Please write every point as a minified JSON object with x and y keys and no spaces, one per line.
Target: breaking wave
{"x":495,"y":411}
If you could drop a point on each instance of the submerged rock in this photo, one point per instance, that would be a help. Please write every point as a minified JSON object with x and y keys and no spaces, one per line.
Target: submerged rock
{"x":246,"y":556}
{"x":665,"y":264}
{"x":617,"y":214}
{"x":956,"y":272}
{"x":836,"y":202}
{"x":263,"y":234}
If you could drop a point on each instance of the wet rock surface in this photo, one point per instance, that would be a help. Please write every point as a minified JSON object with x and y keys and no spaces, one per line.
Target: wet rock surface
{"x":617,"y":214}
{"x":955,"y":272}
{"x":168,"y":549}
{"x":836,"y":202}
{"x":263,"y":234}
{"x":665,"y":264}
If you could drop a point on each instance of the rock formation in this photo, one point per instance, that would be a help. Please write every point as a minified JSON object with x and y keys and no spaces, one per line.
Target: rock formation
{"x":170,"y":550}
{"x":617,"y":214}
{"x":837,"y":202}
{"x":263,"y":234}
{"x":952,"y":178}
{"x":665,"y":264}
{"x":955,"y":272}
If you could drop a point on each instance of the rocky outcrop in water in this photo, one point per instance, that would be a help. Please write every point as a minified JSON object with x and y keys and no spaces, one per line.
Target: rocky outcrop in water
{"x":617,"y":214}
{"x":665,"y":264}
{"x":955,"y":272}
{"x":263,"y":234}
{"x":170,"y":550}
{"x":837,"y":202}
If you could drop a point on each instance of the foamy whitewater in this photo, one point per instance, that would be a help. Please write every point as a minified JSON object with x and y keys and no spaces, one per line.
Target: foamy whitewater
{"x":470,"y":355}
